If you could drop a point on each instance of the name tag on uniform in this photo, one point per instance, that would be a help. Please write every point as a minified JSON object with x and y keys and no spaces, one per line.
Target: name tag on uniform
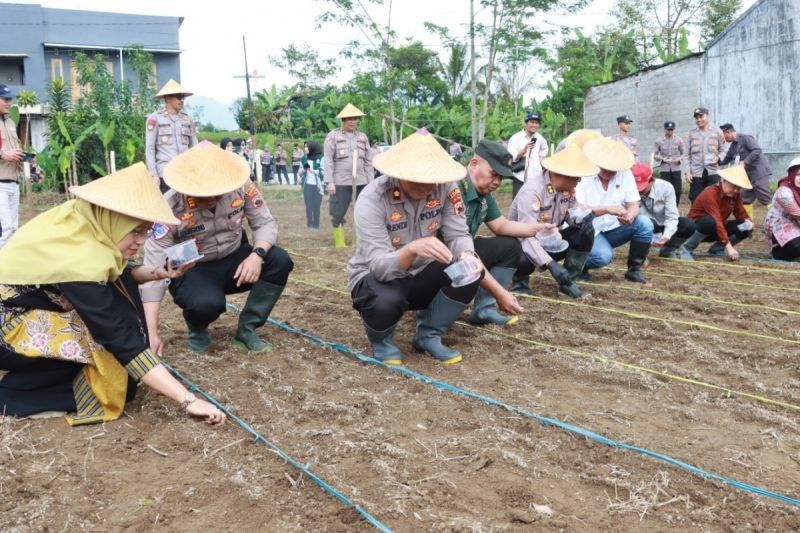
{"x":195,"y":229}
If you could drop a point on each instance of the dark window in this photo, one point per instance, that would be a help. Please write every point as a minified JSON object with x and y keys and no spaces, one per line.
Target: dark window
{"x":12,"y":71}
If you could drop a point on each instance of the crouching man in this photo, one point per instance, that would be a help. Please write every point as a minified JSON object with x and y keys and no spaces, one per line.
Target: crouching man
{"x":212,"y":196}
{"x":550,"y":198}
{"x":399,"y":262}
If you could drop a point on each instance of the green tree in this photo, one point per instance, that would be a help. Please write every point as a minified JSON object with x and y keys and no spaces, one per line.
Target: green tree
{"x":304,"y":65}
{"x":27,"y":99}
{"x":717,"y":16}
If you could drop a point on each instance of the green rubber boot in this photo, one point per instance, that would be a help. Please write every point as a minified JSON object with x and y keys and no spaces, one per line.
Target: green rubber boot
{"x":198,"y":340}
{"x":338,"y":237}
{"x":262,"y":298}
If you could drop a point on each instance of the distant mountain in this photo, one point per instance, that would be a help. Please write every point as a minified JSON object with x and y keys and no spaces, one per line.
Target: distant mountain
{"x":212,"y":111}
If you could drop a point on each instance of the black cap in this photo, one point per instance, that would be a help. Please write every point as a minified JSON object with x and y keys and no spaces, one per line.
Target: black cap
{"x":727,"y":127}
{"x":533,"y":116}
{"x":669,"y":125}
{"x":6,"y":92}
{"x":497,"y":156}
{"x":624,"y":118}
{"x":700,"y":111}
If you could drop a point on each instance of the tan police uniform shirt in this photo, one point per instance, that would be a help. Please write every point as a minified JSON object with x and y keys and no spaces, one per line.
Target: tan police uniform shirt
{"x":387,"y":220}
{"x":165,"y":137}
{"x":538,"y":201}
{"x":217,"y":233}
{"x":704,"y":151}
{"x":9,"y":170}
{"x":630,"y":142}
{"x":338,"y":150}
{"x":669,"y":153}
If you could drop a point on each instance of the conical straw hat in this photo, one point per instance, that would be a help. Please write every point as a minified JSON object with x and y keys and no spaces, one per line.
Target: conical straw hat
{"x":736,"y":175}
{"x":609,"y":154}
{"x":131,"y":191}
{"x":172,"y":87}
{"x":206,"y":170}
{"x":571,"y":161}
{"x":421,"y":159}
{"x":580,"y":137}
{"x":350,"y":111}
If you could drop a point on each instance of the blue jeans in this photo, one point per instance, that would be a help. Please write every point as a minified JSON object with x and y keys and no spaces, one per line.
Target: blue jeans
{"x":604,"y":243}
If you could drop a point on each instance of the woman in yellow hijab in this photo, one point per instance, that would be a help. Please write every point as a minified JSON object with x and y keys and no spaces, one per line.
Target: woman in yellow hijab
{"x":72,"y":334}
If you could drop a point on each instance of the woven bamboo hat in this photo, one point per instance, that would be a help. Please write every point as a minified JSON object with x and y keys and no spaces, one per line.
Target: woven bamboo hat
{"x":609,"y":154}
{"x":570,"y":162}
{"x":580,"y":137}
{"x":421,"y":159}
{"x":350,"y":111}
{"x":206,"y":170}
{"x":171,"y":88}
{"x":132,"y":192}
{"x":736,"y":175}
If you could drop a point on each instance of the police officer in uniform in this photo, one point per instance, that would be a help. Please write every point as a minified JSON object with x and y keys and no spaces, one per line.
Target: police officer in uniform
{"x":755,"y":163}
{"x":341,"y":171}
{"x":547,"y":199}
{"x":399,"y":262}
{"x":212,"y":196}
{"x":703,"y":153}
{"x":624,"y":124}
{"x":169,"y":132}
{"x":669,"y":151}
{"x":499,"y":254}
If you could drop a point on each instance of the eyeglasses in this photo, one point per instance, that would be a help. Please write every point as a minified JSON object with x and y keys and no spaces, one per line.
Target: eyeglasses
{"x":142,"y":233}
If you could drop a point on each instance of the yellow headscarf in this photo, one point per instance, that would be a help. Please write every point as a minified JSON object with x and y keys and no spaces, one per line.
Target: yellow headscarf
{"x":76,"y":241}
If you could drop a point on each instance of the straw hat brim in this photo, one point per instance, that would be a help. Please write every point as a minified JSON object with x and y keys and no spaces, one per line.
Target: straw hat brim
{"x":581,"y":137}
{"x":206,"y":170}
{"x":172,"y":88}
{"x":421,"y":159}
{"x":609,"y":154}
{"x":570,"y":162}
{"x":736,"y":175}
{"x":131,"y":191}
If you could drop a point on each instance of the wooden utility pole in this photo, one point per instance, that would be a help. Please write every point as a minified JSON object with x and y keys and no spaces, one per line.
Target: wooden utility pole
{"x":473,"y":86}
{"x":247,"y":76}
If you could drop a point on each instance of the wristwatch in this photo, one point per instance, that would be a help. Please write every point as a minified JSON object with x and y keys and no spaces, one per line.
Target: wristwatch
{"x":188,"y":399}
{"x":260,"y":252}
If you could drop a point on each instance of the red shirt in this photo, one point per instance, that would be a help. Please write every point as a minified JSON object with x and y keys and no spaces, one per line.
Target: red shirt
{"x":713,"y":202}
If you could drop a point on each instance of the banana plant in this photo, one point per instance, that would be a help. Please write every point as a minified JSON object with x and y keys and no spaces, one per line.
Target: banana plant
{"x":67,"y":158}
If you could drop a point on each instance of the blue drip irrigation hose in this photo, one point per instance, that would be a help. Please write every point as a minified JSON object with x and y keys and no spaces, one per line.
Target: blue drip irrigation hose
{"x":545,"y":421}
{"x":286,"y":457}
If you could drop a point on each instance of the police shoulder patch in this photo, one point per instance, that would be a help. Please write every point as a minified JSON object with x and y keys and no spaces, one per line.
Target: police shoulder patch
{"x":160,"y":231}
{"x":537,"y":204}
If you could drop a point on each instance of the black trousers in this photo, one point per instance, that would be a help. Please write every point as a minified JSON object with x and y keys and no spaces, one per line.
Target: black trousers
{"x":708,"y":226}
{"x":266,"y":173}
{"x":699,"y":183}
{"x":201,"y":291}
{"x":675,"y":179}
{"x":517,"y":186}
{"x":788,"y":252}
{"x":281,"y":170}
{"x":36,"y":384}
{"x":498,"y":251}
{"x":580,"y":239}
{"x":685,"y":228}
{"x":382,"y":303}
{"x":295,"y":170}
{"x":313,"y":201}
{"x":340,"y":202}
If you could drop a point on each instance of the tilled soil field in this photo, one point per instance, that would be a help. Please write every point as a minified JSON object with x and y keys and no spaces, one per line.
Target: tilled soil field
{"x":702,"y":366}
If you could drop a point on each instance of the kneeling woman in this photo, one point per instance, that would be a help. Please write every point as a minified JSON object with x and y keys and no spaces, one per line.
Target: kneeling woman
{"x":783,"y":219}
{"x":72,"y":334}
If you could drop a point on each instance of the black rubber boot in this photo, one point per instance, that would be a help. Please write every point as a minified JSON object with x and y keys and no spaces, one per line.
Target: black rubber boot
{"x":670,"y":250}
{"x":637,"y":254}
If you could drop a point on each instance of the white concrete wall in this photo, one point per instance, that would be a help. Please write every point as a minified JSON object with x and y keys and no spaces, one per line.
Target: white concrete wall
{"x":650,"y":98}
{"x":749,"y":77}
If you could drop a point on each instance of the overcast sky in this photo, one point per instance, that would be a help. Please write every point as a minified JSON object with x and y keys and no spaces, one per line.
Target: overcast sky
{"x":211,"y":35}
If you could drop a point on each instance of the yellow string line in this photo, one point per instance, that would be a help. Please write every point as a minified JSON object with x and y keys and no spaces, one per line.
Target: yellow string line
{"x":592,"y":283}
{"x":727,"y":264}
{"x":690,"y":297}
{"x":642,"y":316}
{"x":603,"y":359}
{"x":715,"y":280}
